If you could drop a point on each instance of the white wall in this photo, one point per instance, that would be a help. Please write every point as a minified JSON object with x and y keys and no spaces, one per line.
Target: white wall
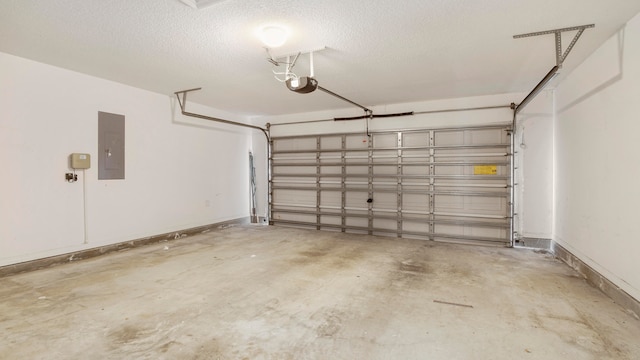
{"x":597,"y":143}
{"x":534,"y":162}
{"x":180,"y":172}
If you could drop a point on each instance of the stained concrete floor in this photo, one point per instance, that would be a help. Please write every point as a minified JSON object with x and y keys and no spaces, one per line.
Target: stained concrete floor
{"x":257,"y":292}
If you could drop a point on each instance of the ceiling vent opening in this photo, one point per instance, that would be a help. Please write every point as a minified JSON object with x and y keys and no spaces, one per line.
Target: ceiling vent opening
{"x":200,"y":4}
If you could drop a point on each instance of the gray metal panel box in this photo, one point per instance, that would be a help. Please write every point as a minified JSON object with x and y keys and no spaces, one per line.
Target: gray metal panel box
{"x":110,"y":146}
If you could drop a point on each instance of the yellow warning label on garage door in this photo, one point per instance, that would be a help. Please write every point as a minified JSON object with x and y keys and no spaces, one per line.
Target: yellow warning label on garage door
{"x":485,"y":170}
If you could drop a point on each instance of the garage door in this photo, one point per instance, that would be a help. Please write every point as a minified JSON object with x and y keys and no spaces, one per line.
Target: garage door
{"x":437,"y":184}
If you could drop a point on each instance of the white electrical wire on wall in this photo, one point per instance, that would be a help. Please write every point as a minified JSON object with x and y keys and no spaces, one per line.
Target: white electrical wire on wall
{"x":84,"y":205}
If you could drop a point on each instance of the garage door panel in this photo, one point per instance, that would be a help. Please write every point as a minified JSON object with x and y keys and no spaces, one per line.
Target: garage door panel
{"x":452,"y":170}
{"x":449,"y":203}
{"x":331,"y":170}
{"x":331,"y":219}
{"x":486,"y":232}
{"x":415,"y":202}
{"x":358,"y":141}
{"x":386,"y":224}
{"x":384,"y":140}
{"x":297,"y":144}
{"x":292,"y":170}
{"x":438,"y":184}
{"x":302,"y":197}
{"x":331,"y":142}
{"x":385,"y":170}
{"x":331,"y":199}
{"x":494,"y":136}
{"x":357,"y":222}
{"x":452,"y":137}
{"x":480,"y":205}
{"x":295,"y":217}
{"x":469,"y":231}
{"x":422,"y":169}
{"x":486,"y":186}
{"x":444,"y":229}
{"x":357,"y":170}
{"x":415,"y":139}
{"x":485,"y":204}
{"x":384,"y":201}
{"x":355,"y":159}
{"x":356,"y":199}
{"x":413,"y":226}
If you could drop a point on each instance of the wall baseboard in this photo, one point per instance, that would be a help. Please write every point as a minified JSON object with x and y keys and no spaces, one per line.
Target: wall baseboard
{"x":533,"y":243}
{"x":594,"y":278}
{"x":93,"y":252}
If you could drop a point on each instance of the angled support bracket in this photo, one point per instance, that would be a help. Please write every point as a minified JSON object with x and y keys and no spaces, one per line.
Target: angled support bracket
{"x":183,"y":106}
{"x":560,"y":56}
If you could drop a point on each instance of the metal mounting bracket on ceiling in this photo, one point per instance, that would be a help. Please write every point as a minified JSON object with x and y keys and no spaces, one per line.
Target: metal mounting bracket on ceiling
{"x":560,"y":56}
{"x":287,"y":60}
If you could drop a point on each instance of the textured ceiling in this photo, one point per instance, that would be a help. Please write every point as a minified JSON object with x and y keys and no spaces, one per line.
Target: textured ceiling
{"x":378,"y":51}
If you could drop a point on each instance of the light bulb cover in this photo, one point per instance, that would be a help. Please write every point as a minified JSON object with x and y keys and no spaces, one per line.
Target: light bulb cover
{"x":273,"y":35}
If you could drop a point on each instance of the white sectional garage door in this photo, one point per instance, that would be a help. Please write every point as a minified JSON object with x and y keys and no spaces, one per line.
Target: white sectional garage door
{"x":438,"y":184}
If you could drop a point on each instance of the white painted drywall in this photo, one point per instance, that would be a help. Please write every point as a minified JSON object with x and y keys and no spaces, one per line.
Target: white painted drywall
{"x":180,"y":172}
{"x":596,"y":160}
{"x":534,"y":162}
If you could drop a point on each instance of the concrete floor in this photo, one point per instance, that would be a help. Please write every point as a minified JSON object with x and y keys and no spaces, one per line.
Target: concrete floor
{"x":257,"y":292}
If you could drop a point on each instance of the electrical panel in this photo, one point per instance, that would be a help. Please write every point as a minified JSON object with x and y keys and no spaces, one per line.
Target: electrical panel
{"x":79,"y":161}
{"x":110,"y":146}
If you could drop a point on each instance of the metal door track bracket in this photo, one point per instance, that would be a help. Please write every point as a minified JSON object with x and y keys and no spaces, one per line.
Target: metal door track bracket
{"x":560,"y":56}
{"x":183,"y":105}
